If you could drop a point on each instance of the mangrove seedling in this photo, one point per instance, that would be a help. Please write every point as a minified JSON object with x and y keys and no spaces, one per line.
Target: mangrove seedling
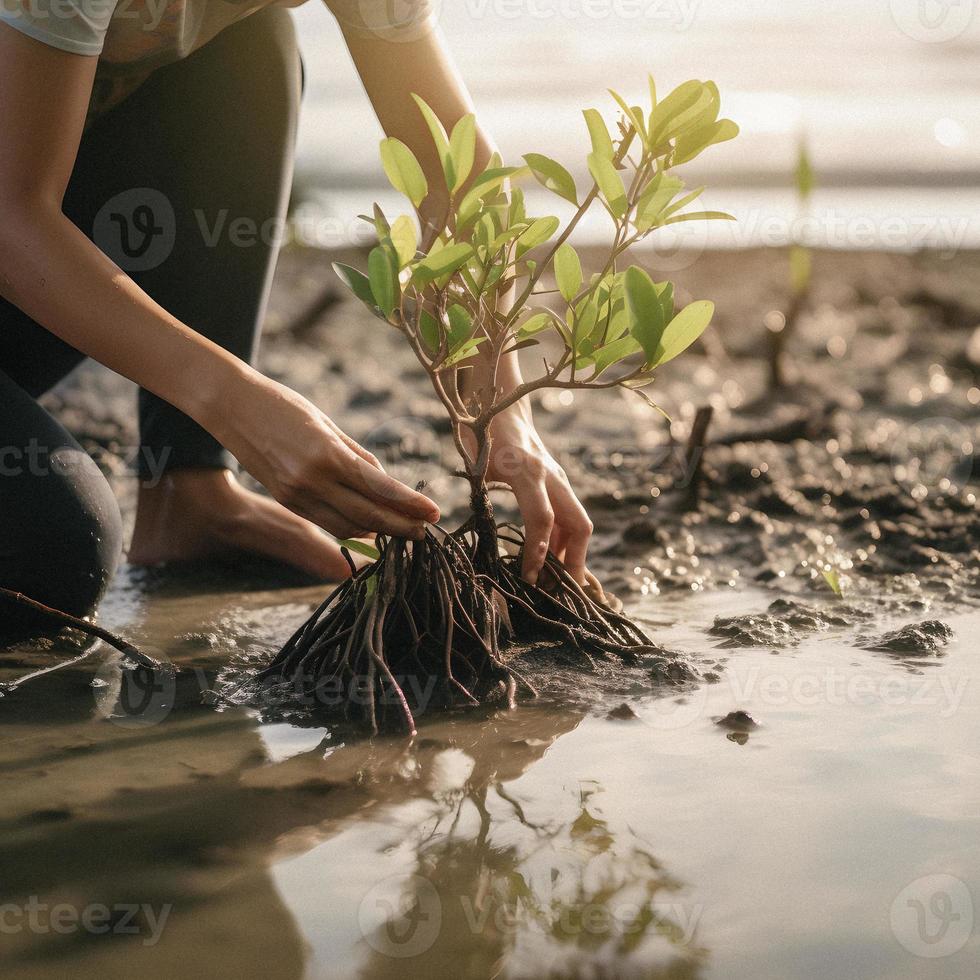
{"x":800,"y":276}
{"x":478,"y":287}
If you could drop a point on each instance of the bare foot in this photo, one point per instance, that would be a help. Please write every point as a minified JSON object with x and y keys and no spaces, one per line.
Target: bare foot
{"x":203,"y":513}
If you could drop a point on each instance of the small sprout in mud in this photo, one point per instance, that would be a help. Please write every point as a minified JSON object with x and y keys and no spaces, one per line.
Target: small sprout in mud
{"x":832,"y":578}
{"x":800,"y":273}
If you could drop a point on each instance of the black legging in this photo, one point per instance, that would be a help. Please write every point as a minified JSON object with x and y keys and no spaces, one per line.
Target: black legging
{"x":163,"y":180}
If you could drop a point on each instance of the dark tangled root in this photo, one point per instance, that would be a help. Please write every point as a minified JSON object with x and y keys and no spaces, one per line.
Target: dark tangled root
{"x":436,"y":611}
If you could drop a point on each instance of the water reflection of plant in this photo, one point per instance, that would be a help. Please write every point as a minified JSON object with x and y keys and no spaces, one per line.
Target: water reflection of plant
{"x":565,"y":896}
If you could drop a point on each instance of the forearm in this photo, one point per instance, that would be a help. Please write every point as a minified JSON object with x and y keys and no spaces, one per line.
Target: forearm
{"x":51,"y":271}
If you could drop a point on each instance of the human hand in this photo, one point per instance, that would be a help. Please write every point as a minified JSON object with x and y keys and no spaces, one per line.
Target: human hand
{"x":554,"y":519}
{"x":311,"y":466}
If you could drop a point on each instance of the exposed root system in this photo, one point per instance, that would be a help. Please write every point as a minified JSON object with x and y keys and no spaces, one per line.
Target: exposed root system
{"x":440,"y":616}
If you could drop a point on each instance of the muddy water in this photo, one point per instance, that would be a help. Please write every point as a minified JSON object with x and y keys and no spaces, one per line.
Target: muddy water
{"x":809,"y":808}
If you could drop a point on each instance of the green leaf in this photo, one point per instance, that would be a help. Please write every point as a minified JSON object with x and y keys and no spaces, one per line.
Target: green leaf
{"x":688,"y":146}
{"x":440,"y":139}
{"x":404,"y":239}
{"x":666,"y":292}
{"x":487,"y":182}
{"x":403,"y":170}
{"x":613,"y":352}
{"x":636,"y":118}
{"x":460,"y":326}
{"x":540,"y":231}
{"x":654,"y":200}
{"x":568,"y":271}
{"x":356,"y":282}
{"x":383,"y":276}
{"x":536,"y":323}
{"x":646,"y":313}
{"x":683,"y":330}
{"x":683,"y":202}
{"x":443,"y":262}
{"x":601,"y":141}
{"x":462,"y":149}
{"x":700,"y":216}
{"x":653,"y":92}
{"x":832,"y":578}
{"x":361,"y":547}
{"x":466,"y":350}
{"x":429,"y":331}
{"x":610,"y":183}
{"x":804,"y":172}
{"x":552,"y":175}
{"x":682,"y":105}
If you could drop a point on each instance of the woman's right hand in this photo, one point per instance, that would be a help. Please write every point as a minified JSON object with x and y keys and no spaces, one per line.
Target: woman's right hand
{"x":310,"y":465}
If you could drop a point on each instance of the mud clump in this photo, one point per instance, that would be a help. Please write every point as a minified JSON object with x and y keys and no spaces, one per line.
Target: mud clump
{"x":785,"y":623}
{"x":925,"y":639}
{"x":623,"y":712}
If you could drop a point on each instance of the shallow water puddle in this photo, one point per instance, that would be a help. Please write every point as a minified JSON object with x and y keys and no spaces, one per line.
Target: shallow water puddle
{"x":811,"y":812}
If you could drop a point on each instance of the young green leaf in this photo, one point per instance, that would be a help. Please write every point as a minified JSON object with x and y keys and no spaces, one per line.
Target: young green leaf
{"x":535,"y":324}
{"x":357,"y":282}
{"x":404,"y":239}
{"x":688,"y":146}
{"x":429,"y":331}
{"x":443,"y":262}
{"x":485,"y":184}
{"x":460,"y":326}
{"x":672,"y":110}
{"x":700,"y":216}
{"x":654,"y":200}
{"x":613,"y":352}
{"x":832,"y":578}
{"x":646,"y":313}
{"x":361,"y":547}
{"x":568,"y":271}
{"x":683,"y":330}
{"x":383,"y":276}
{"x":609,"y":182}
{"x":462,"y":149}
{"x":440,"y":139}
{"x":636,"y":118}
{"x":804,"y":172}
{"x":601,"y":141}
{"x":403,"y":170}
{"x":540,"y":231}
{"x":552,"y":175}
{"x":466,"y":349}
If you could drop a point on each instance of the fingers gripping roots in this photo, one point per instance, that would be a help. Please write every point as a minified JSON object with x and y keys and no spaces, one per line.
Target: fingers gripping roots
{"x":437,"y":616}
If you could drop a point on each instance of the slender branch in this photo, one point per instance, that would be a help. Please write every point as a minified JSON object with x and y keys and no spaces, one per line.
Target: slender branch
{"x":82,"y":625}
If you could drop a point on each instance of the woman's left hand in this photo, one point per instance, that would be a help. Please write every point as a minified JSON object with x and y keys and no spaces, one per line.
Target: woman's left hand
{"x":554,"y":519}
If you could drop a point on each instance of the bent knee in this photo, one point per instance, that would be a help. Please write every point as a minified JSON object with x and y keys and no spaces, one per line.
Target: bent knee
{"x":62,"y":534}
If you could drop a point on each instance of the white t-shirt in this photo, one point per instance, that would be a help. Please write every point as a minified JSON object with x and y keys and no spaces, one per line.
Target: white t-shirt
{"x":132,"y":38}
